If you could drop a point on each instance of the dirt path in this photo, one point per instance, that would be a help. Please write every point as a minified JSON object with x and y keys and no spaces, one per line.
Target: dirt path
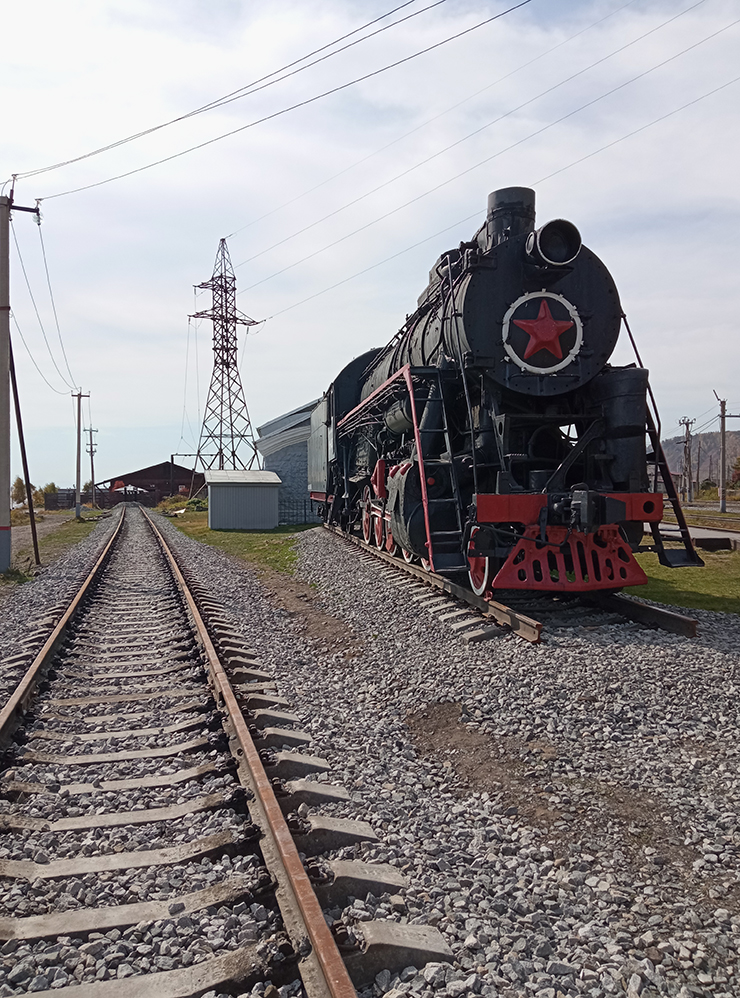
{"x":20,"y":537}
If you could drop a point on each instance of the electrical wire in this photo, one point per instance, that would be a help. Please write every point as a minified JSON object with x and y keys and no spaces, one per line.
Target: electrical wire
{"x":427,"y":121}
{"x":33,"y":361}
{"x":292,"y":107}
{"x":470,"y":135}
{"x":53,"y":304}
{"x":35,"y":307}
{"x":642,"y":128}
{"x":704,"y":426}
{"x":245,"y":91}
{"x":476,"y":214}
{"x":488,"y":159}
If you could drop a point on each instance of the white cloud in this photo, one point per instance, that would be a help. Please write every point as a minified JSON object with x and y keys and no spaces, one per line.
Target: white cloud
{"x":660,"y":208}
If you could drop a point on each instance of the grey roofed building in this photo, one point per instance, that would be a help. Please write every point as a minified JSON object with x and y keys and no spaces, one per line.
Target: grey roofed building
{"x":283,"y":443}
{"x":242,"y":500}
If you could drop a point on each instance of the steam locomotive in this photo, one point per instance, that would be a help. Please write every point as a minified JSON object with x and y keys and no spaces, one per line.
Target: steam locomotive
{"x":491,"y":437}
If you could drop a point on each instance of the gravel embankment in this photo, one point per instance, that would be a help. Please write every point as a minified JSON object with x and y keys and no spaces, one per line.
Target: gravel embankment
{"x":573,"y":828}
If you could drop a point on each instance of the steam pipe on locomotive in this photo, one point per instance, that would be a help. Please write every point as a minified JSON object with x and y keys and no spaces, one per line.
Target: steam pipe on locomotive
{"x":491,"y":436}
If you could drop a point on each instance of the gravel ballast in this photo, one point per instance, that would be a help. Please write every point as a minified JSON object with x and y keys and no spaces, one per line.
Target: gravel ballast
{"x":565,"y":813}
{"x":29,"y":613}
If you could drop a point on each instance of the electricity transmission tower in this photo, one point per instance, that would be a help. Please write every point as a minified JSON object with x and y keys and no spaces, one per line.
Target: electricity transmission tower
{"x":226,"y":425}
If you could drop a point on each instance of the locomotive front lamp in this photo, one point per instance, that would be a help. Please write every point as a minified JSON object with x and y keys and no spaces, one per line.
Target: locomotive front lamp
{"x":556,"y":244}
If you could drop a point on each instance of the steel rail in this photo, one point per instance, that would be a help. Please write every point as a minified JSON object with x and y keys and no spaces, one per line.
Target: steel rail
{"x":334,"y":977}
{"x":23,"y":692}
{"x":525,"y":627}
{"x":626,"y":606}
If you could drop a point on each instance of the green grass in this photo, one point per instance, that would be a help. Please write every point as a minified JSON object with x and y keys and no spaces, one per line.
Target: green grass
{"x":51,"y":547}
{"x":272,"y":549}
{"x":714,"y":587}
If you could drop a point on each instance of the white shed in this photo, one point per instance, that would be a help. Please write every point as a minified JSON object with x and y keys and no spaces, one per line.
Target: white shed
{"x":242,"y":500}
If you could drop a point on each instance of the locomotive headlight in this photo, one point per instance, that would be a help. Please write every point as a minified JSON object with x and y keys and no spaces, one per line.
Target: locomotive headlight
{"x":555,"y":244}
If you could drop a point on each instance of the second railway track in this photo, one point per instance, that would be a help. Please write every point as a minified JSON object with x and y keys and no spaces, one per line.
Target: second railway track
{"x":476,"y":617}
{"x":149,"y":769}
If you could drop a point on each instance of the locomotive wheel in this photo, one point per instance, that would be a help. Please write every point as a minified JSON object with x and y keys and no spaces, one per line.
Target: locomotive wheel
{"x":379,"y":530}
{"x":367,"y":517}
{"x":479,"y":568}
{"x":426,"y":565}
{"x":408,"y":557}
{"x":390,"y":545}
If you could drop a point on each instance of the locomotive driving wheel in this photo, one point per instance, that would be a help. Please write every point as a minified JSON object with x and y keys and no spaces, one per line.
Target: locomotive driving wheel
{"x":379,"y":530}
{"x":479,"y":568}
{"x":367,"y":516}
{"x":390,"y":545}
{"x":408,"y":556}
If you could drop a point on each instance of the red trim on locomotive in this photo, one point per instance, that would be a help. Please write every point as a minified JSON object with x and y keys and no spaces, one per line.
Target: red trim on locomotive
{"x":378,"y":480}
{"x":525,"y":508}
{"x":570,"y":561}
{"x":403,"y":373}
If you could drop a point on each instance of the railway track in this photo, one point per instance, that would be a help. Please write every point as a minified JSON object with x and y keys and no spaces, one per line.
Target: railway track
{"x":478,"y":618}
{"x":161,"y":820}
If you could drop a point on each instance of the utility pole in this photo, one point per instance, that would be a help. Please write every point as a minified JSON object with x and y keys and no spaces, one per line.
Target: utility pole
{"x":6,"y":205}
{"x":698,"y":464}
{"x":724,"y":415}
{"x":687,"y":472}
{"x":78,"y":499}
{"x":92,"y":450}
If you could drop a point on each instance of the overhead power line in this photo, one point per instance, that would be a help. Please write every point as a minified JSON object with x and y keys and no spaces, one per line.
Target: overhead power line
{"x":488,"y":159}
{"x":476,"y":214}
{"x":428,"y":121}
{"x":244,"y":91}
{"x":53,"y":305}
{"x":35,"y":308}
{"x":291,"y":107}
{"x":33,"y":360}
{"x":477,"y":131}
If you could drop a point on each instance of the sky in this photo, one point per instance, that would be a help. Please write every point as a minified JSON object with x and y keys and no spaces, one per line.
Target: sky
{"x":622,"y":116}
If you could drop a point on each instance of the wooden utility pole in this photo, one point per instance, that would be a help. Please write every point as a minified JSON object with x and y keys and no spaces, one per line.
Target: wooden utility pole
{"x":698,"y":463}
{"x":688,"y":476}
{"x":24,"y":457}
{"x":91,"y":450}
{"x":78,"y":498}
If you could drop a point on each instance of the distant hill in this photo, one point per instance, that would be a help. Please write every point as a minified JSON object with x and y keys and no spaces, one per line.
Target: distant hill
{"x":709,"y":453}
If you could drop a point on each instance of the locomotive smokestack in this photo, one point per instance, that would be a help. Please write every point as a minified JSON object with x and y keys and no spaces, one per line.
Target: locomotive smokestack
{"x":510,"y":213}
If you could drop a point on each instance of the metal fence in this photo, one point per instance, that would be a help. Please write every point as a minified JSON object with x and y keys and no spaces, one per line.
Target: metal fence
{"x":293,"y":510}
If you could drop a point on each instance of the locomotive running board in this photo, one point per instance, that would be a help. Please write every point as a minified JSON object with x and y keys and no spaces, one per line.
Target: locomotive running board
{"x":523,"y":626}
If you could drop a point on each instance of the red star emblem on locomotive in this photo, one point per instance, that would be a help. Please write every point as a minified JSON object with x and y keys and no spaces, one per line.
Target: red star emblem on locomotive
{"x":544,"y":332}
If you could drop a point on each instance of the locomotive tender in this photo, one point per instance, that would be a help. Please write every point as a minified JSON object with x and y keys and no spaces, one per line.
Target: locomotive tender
{"x":491,"y":436}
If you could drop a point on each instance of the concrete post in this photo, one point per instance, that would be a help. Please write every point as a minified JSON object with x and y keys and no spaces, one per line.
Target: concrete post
{"x":78,"y":500}
{"x":722,"y":456}
{"x":4,"y":384}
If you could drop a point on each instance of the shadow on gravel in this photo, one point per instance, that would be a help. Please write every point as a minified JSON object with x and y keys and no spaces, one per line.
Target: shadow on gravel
{"x":568,"y":810}
{"x":299,"y":600}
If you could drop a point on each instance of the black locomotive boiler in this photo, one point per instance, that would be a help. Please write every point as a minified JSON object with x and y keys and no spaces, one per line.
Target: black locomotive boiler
{"x":491,"y":436}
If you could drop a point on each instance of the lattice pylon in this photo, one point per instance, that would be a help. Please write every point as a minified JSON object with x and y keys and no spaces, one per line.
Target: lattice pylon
{"x":226,"y":425}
